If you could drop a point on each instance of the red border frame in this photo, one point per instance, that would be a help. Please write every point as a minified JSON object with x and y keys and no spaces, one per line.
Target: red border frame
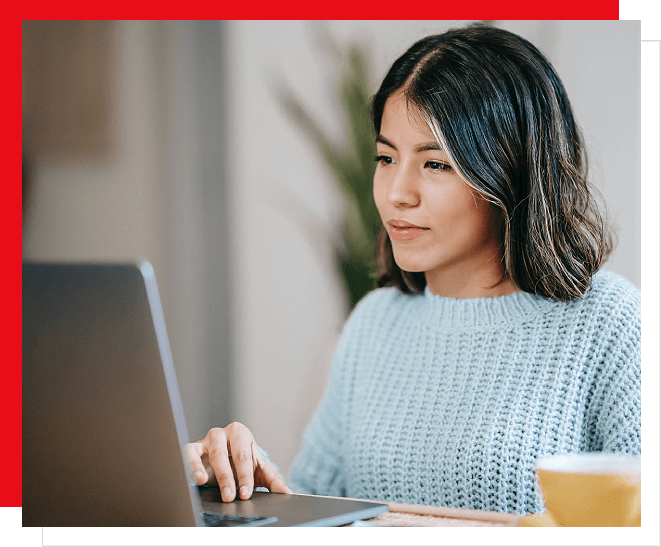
{"x":10,"y":221}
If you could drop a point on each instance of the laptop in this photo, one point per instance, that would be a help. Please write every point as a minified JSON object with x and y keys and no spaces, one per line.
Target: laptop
{"x":103,"y":423}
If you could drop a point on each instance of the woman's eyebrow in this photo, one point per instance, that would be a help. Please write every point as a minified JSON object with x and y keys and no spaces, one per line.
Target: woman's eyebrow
{"x":424,"y":147}
{"x":432,"y":145}
{"x":383,"y":140}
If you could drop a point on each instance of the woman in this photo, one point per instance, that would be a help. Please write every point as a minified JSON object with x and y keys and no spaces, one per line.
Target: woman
{"x":493,"y":338}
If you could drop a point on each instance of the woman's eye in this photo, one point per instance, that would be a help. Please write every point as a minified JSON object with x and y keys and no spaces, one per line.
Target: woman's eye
{"x":438,"y":166}
{"x":383,"y":159}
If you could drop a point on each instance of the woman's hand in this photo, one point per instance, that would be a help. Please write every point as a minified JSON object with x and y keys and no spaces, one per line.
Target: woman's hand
{"x":229,"y":457}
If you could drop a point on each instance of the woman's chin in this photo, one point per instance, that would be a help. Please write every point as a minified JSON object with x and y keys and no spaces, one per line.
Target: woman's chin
{"x":412,"y":266}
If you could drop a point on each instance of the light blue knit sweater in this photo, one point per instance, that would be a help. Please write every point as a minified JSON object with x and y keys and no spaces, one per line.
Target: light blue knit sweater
{"x":439,"y":401}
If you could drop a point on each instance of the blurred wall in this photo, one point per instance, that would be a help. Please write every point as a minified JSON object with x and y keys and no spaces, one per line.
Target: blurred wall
{"x":157,"y":191}
{"x":214,"y":185}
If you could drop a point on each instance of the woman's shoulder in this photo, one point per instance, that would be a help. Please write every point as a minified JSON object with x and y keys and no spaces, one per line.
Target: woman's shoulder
{"x":380,"y":304}
{"x":613,"y":304}
{"x":614,"y":290}
{"x":383,"y":299}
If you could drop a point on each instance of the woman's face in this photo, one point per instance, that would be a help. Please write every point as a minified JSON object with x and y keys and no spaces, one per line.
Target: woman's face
{"x":437,"y":224}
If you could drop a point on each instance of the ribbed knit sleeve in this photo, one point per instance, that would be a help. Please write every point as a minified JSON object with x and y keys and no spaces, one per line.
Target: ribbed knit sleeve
{"x":318,"y":469}
{"x":614,"y":410}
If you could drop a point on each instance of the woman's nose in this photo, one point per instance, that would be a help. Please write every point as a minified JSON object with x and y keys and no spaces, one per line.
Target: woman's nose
{"x":403,"y":191}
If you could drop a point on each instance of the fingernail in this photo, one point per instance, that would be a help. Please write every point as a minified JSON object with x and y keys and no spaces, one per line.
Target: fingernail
{"x":199,"y":476}
{"x":243,"y":492}
{"x":227,"y":494}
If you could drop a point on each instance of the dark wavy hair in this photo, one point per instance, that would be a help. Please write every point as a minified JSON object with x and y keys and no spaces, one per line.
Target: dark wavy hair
{"x":499,"y":110}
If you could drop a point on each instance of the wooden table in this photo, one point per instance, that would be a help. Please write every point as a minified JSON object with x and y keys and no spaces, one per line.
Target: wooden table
{"x":401,"y":514}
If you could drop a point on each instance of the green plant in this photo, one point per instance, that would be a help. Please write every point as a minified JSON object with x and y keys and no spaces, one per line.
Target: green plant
{"x":352,"y":166}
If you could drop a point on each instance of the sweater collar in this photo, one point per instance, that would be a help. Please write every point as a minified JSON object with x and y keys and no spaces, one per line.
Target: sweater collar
{"x":483,"y":312}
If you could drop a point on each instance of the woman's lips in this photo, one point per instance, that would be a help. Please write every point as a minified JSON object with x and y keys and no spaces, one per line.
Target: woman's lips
{"x":403,"y":230}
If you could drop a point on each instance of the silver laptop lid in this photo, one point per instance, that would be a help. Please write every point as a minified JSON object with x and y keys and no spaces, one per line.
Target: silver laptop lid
{"x":103,"y":423}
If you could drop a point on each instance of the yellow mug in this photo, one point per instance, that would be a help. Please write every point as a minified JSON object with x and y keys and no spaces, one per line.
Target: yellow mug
{"x":588,"y":489}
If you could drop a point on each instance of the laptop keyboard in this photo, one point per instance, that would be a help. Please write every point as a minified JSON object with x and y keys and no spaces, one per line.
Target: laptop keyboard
{"x":221,"y":519}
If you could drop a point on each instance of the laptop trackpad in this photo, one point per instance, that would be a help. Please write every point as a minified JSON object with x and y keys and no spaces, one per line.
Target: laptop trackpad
{"x":293,"y":509}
